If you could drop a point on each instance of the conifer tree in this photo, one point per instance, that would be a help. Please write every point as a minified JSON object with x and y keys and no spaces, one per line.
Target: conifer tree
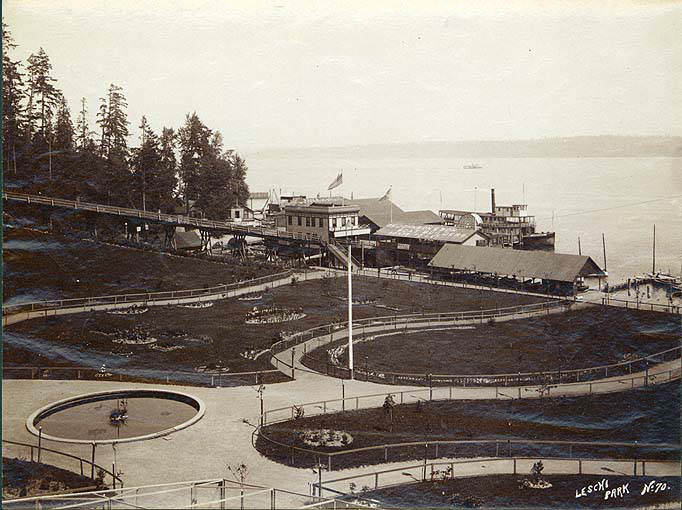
{"x":83,"y":133}
{"x":193,"y":140}
{"x":114,"y":179}
{"x":12,"y":85}
{"x":167,"y":178}
{"x":145,"y":163}
{"x":42,"y":94}
{"x":63,"y":130}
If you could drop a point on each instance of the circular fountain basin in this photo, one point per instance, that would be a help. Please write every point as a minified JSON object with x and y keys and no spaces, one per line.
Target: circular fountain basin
{"x":86,"y":418}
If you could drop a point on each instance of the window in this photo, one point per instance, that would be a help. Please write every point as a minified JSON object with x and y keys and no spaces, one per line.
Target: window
{"x":291,"y":219}
{"x":333,"y":223}
{"x":343,"y":221}
{"x":307,"y":221}
{"x":299,"y":220}
{"x":236,"y":214}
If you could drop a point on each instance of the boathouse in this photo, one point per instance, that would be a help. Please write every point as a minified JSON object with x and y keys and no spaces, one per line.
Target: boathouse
{"x":552,"y":271}
{"x":415,"y":245}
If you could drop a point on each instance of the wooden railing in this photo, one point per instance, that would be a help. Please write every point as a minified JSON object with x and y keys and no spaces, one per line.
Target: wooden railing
{"x":318,"y":337}
{"x":514,"y":465}
{"x":172,"y":219}
{"x":639,"y":305}
{"x":85,"y":465}
{"x":433,"y":449}
{"x":141,"y":298}
{"x":656,"y":375}
{"x":24,"y":311}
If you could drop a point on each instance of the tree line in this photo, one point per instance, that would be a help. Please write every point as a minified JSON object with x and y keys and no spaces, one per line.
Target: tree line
{"x":44,"y":150}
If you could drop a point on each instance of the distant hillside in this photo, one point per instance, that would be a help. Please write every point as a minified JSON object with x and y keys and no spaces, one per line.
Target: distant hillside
{"x":569,"y":147}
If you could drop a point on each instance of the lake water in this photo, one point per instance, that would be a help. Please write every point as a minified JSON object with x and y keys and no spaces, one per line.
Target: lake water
{"x":574,"y":197}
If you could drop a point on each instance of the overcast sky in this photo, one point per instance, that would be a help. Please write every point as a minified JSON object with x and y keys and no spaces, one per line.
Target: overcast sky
{"x":294,"y":74}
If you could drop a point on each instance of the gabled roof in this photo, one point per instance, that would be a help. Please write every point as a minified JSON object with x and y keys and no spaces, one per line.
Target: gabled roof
{"x":504,"y":261}
{"x":438,"y":233}
{"x":420,"y":218}
{"x":383,"y":212}
{"x":377,"y":211}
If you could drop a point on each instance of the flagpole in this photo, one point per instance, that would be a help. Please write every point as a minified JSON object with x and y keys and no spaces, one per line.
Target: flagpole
{"x":350,"y":311}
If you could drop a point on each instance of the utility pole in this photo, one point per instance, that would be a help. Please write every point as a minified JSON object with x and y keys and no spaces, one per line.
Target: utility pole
{"x":260,"y":396}
{"x":653,"y":267}
{"x":343,"y":396}
{"x":603,"y":243}
{"x":580,"y":252}
{"x":350,"y":311}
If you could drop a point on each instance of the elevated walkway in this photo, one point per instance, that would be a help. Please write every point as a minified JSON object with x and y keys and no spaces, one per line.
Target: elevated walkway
{"x":341,"y":256}
{"x":222,"y":227}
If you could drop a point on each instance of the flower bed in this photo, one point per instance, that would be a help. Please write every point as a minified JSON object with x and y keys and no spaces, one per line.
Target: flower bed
{"x":273,"y":314}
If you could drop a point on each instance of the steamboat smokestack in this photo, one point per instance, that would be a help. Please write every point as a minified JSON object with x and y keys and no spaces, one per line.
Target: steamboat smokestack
{"x":492,"y":199}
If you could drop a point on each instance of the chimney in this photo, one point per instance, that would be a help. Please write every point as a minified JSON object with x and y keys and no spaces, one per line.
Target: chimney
{"x":492,"y":198}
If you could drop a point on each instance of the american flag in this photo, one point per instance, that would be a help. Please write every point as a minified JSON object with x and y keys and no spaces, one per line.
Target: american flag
{"x":337,"y":182}
{"x":387,"y":195}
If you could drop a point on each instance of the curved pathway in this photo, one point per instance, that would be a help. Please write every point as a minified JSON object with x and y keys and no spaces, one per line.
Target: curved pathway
{"x":223,"y":436}
{"x":25,"y":311}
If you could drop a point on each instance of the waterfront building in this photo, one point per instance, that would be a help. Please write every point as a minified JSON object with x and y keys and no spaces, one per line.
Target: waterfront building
{"x":504,"y":225}
{"x":558,"y":272}
{"x":378,"y":213}
{"x":326,"y":220}
{"x":415,"y":245}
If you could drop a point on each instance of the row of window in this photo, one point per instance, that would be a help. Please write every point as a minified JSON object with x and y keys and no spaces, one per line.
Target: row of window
{"x":311,"y":221}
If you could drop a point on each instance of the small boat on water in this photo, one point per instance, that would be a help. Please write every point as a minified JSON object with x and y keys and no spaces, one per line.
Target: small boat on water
{"x":660,"y":278}
{"x":471,"y":166}
{"x":664,"y":278}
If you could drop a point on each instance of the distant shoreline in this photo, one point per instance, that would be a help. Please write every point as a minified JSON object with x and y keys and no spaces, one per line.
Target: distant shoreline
{"x":565,"y":147}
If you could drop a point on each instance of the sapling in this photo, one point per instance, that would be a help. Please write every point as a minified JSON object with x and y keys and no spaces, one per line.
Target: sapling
{"x":536,"y":471}
{"x":388,"y":406}
{"x":239,"y":472}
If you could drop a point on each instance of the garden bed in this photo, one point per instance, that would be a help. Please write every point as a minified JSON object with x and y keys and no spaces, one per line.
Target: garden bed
{"x":87,"y":339}
{"x":645,"y":415}
{"x":574,"y":339}
{"x":507,"y":491}
{"x":23,"y":478}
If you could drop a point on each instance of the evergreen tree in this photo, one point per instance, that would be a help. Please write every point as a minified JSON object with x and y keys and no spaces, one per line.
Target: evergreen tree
{"x":113,"y":122}
{"x":238,"y":184}
{"x":12,"y":84}
{"x":193,"y":138}
{"x":84,"y":137}
{"x":145,"y":163}
{"x":43,"y":96}
{"x":167,"y":177}
{"x":114,"y":180}
{"x":63,"y":131}
{"x":221,"y":181}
